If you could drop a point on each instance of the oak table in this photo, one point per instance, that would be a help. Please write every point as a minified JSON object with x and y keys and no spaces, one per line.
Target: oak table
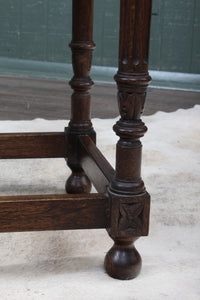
{"x":122,"y":203}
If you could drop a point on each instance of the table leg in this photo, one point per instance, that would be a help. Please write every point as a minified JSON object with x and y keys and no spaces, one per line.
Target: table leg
{"x":129,"y":201}
{"x":82,"y":46}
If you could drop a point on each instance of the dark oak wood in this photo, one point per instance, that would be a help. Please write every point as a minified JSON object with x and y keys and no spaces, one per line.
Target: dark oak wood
{"x":123,"y":206}
{"x":82,"y":46}
{"x":129,"y":201}
{"x":95,"y":165}
{"x":33,"y":145}
{"x":52,"y":212}
{"x":123,"y":259}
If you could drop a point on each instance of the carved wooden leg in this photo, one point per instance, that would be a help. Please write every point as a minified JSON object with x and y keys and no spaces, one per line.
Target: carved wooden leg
{"x":82,"y":46}
{"x":129,"y":201}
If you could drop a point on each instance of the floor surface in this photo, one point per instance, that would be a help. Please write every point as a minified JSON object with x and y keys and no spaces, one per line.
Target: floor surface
{"x":64,"y":265}
{"x":25,"y":98}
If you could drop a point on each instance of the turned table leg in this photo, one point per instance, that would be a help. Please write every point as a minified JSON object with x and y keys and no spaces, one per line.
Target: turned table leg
{"x":129,"y":201}
{"x":80,"y":123}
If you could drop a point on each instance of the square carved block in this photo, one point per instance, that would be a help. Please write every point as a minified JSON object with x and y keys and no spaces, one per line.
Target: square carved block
{"x":129,"y":215}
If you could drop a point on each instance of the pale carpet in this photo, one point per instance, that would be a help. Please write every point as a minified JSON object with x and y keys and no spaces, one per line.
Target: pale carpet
{"x":69,"y":264}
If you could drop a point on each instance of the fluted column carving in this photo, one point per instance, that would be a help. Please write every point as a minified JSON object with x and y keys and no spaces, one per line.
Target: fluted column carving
{"x":129,"y":201}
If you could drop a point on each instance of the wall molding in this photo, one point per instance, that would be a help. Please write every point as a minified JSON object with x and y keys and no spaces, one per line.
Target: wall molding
{"x":161,"y":79}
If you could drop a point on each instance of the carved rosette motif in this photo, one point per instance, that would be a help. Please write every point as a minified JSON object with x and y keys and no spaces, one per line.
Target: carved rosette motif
{"x":130,"y":203}
{"x":130,"y":215}
{"x":129,"y":199}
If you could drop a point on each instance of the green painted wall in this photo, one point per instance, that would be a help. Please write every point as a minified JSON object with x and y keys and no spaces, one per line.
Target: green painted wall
{"x":41,"y":30}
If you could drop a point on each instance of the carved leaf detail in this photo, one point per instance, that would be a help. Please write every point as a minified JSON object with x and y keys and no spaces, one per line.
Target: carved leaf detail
{"x":131,"y":105}
{"x":126,"y":106}
{"x":130,"y":216}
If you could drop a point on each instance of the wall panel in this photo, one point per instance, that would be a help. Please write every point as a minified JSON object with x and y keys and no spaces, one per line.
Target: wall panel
{"x":41,"y":30}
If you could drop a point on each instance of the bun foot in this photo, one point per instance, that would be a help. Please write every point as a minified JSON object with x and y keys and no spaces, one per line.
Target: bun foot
{"x":78,"y":183}
{"x":123,"y":261}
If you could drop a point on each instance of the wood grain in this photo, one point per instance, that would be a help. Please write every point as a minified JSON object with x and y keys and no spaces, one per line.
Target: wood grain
{"x":52,"y":212}
{"x":129,"y":201}
{"x":33,"y":145}
{"x":95,"y":165}
{"x":82,"y":46}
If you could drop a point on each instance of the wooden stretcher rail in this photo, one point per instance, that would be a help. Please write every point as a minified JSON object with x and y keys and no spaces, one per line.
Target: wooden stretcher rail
{"x":52,"y":212}
{"x":95,"y":165}
{"x":33,"y":145}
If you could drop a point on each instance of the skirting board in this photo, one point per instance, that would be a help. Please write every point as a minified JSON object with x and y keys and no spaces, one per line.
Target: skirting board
{"x":63,"y":71}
